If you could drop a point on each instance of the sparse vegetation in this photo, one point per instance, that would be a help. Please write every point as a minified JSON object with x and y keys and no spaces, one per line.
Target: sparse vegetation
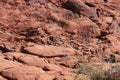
{"x":98,"y":73}
{"x":47,"y":39}
{"x":83,"y":69}
{"x":113,"y":73}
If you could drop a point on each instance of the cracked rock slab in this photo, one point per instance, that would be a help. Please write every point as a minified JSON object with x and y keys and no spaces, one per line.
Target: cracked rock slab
{"x":5,"y":64}
{"x":26,"y":73}
{"x":49,"y":51}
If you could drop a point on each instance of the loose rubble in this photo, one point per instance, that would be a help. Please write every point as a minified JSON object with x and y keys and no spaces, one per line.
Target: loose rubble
{"x":59,"y":39}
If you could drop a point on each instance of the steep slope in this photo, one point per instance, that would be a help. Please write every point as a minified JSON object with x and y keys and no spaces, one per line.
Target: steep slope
{"x":48,"y":39}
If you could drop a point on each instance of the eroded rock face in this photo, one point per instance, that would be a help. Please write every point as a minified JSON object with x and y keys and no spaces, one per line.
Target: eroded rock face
{"x":8,"y":64}
{"x":49,"y":51}
{"x":26,"y":73}
{"x":77,"y":6}
{"x":88,"y":29}
{"x":52,"y":39}
{"x":15,"y":70}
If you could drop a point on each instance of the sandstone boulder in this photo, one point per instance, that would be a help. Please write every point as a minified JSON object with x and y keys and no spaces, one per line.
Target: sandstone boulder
{"x":77,"y":6}
{"x":114,"y":42}
{"x":26,"y":73}
{"x":33,"y":61}
{"x":53,"y":29}
{"x":83,"y":27}
{"x":49,"y":51}
{"x":7,"y":64}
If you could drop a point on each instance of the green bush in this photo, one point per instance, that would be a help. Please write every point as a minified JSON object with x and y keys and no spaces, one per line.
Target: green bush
{"x":98,"y":73}
{"x":111,"y":74}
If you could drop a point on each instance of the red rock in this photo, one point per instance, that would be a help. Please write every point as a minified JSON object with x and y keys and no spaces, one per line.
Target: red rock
{"x":61,"y":29}
{"x":53,"y":72}
{"x":8,"y":64}
{"x":114,"y":42}
{"x":114,"y":27}
{"x":107,"y":20}
{"x":2,"y":78}
{"x":26,"y":73}
{"x":8,"y":47}
{"x":113,"y":1}
{"x":77,"y":6}
{"x":33,"y":61}
{"x":1,"y":55}
{"x":88,"y":29}
{"x":107,"y":51}
{"x":94,"y":1}
{"x":49,"y":51}
{"x":52,"y":67}
{"x":65,"y":75}
{"x":15,"y":70}
{"x":13,"y":55}
{"x":117,"y":57}
{"x":66,"y":61}
{"x":53,"y":29}
{"x":83,"y":27}
{"x":39,"y":62}
{"x":71,"y":27}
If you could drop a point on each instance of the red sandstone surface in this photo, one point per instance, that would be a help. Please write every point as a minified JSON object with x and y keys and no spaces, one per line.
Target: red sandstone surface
{"x":49,"y":39}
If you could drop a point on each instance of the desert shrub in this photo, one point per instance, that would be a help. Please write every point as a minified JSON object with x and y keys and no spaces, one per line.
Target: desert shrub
{"x":97,"y":74}
{"x":83,"y":69}
{"x":113,"y":73}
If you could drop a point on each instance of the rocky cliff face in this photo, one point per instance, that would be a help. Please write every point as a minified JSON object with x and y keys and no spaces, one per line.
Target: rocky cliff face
{"x":47,"y":39}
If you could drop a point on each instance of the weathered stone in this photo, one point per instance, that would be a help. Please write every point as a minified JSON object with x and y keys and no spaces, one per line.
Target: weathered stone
{"x":49,"y":51}
{"x":47,"y":39}
{"x":8,"y":64}
{"x":107,"y":20}
{"x":84,"y":28}
{"x":30,"y":60}
{"x":77,"y":6}
{"x":33,"y":61}
{"x":117,"y":57}
{"x":114,"y":27}
{"x":114,"y":42}
{"x":66,"y":61}
{"x":26,"y":73}
{"x":2,"y":78}
{"x":93,"y":1}
{"x":13,"y":55}
{"x":8,"y":47}
{"x":88,"y":29}
{"x":71,"y":27}
{"x":65,"y":75}
{"x":52,"y":67}
{"x":53,"y":29}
